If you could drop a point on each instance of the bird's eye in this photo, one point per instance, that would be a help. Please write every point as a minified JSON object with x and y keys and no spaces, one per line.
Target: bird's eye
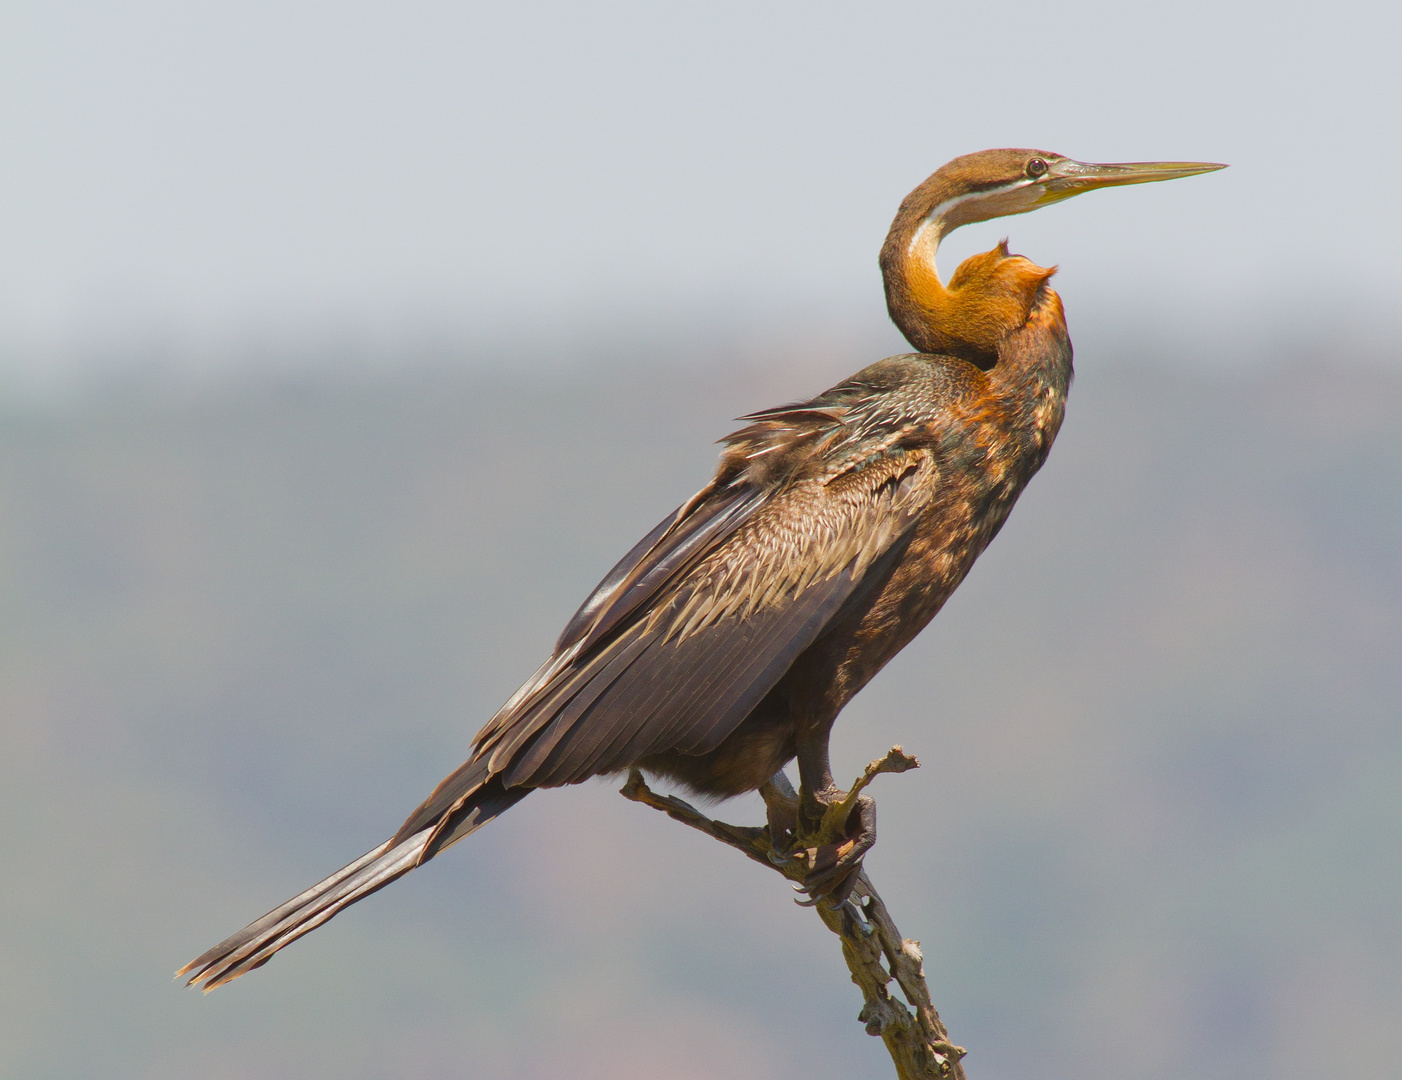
{"x":1036,"y":167}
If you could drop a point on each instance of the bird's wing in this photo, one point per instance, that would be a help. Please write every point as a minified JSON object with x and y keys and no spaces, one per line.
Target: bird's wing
{"x":685,"y":636}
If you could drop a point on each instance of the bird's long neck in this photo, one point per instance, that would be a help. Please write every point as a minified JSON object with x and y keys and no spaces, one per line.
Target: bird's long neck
{"x":988,"y":297}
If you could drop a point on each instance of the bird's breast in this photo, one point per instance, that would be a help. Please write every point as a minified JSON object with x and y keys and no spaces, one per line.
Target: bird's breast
{"x":986,"y":445}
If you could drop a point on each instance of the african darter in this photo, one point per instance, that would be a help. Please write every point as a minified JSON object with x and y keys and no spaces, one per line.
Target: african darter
{"x":726,"y":642}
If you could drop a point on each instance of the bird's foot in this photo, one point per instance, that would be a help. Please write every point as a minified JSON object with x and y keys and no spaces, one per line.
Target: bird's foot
{"x":837,"y":828}
{"x":827,"y":847}
{"x":832,"y":852}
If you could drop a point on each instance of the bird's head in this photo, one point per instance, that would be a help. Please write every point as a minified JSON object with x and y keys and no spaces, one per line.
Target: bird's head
{"x":979,"y":187}
{"x":998,"y":183}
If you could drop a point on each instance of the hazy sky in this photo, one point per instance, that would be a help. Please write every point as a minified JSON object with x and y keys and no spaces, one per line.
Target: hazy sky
{"x":210,"y":169}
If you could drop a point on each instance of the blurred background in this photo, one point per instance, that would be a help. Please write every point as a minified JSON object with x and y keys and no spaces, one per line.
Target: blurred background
{"x":344,"y":346}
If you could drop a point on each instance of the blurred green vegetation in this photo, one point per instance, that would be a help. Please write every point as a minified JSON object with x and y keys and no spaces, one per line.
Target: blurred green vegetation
{"x":243,"y":631}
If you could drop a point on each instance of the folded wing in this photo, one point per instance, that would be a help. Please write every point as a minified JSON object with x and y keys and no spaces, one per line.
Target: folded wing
{"x":686,"y":635}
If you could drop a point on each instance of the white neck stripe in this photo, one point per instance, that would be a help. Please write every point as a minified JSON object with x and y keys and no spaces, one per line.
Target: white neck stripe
{"x":937,"y":216}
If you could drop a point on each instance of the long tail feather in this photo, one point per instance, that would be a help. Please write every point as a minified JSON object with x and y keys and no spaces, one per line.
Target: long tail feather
{"x":255,"y":944}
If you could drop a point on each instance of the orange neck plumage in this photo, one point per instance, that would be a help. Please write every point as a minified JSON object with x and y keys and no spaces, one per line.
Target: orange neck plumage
{"x":990,"y":295}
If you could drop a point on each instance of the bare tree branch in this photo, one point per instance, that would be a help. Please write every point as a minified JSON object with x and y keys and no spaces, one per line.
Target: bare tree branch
{"x":874,"y":949}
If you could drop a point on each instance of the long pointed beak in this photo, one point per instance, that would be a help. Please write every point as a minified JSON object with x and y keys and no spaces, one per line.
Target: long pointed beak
{"x":1067,"y":178}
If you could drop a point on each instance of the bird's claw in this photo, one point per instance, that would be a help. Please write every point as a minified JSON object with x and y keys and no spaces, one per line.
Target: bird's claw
{"x":852,"y":917}
{"x":833,"y":867}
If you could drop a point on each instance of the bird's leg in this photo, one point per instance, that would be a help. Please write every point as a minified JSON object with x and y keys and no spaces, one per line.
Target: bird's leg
{"x":816,"y":788}
{"x":835,"y":827}
{"x":781,"y":813}
{"x":838,"y":827}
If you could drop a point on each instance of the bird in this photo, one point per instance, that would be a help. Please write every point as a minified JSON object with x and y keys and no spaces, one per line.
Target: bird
{"x":724,"y":645}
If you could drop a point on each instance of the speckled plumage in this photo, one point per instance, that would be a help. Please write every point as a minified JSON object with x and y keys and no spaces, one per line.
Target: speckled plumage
{"x":956,"y":446}
{"x":724,"y":645}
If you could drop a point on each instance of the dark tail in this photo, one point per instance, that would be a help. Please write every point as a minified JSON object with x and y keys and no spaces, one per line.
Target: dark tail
{"x":254,"y":945}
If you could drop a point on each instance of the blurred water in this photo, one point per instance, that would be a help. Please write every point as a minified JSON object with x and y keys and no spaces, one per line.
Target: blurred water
{"x":243,"y":631}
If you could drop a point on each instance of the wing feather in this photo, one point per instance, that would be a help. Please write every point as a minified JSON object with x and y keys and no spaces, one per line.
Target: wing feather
{"x":731,"y":629}
{"x":685,"y":694}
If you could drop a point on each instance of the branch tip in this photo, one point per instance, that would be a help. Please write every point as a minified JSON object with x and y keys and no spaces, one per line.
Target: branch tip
{"x":895,"y":761}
